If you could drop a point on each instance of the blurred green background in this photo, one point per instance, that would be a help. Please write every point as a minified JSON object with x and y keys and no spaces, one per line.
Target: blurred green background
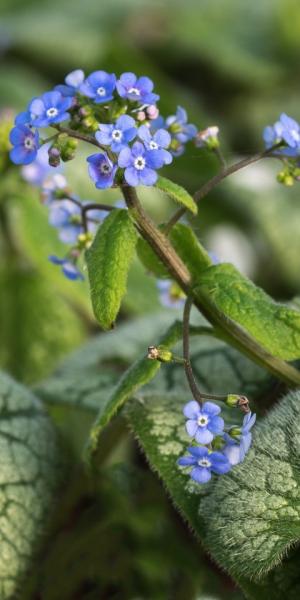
{"x":230,"y":63}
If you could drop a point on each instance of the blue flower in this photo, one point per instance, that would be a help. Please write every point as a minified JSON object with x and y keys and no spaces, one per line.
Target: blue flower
{"x":66,"y":216}
{"x":285,"y":130}
{"x":25,"y":142}
{"x":23,"y":118}
{"x":69,"y":269}
{"x":119,"y":135}
{"x":203,"y":462}
{"x":157,"y":144}
{"x":50,"y":108}
{"x":39,"y":169}
{"x":136,"y":89}
{"x":73,"y":82}
{"x":170,"y":294}
{"x":180,"y":129}
{"x":237,"y":450}
{"x":138,"y":164}
{"x":99,"y":86}
{"x":101,"y":170}
{"x":203,"y":424}
{"x":290,"y":131}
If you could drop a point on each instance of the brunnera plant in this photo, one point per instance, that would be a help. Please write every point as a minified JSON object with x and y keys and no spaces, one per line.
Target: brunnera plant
{"x":120,"y":119}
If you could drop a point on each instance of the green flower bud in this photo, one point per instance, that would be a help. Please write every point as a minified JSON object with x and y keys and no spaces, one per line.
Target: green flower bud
{"x":160,"y":353}
{"x":235,"y":432}
{"x":84,"y":241}
{"x":232,"y":400}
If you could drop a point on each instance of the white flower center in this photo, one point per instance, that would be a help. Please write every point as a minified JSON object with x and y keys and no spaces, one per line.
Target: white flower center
{"x":116,"y":135}
{"x":140,"y":163}
{"x":29,"y":143}
{"x":105,"y":169}
{"x":202,"y":421}
{"x":204,"y":462}
{"x":101,"y":91}
{"x":153,"y":145}
{"x":52,"y":112}
{"x":134,"y":91}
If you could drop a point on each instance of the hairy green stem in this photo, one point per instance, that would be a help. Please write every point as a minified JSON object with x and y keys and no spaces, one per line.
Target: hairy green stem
{"x":230,"y":330}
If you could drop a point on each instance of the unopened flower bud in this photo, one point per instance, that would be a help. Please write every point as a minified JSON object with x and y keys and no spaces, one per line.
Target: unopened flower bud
{"x":84,"y":240}
{"x":208,"y":138}
{"x":235,"y":433}
{"x":232,"y":400}
{"x":91,"y":123}
{"x":54,"y":156}
{"x":152,"y":111}
{"x":160,"y":353}
{"x":141,"y":115}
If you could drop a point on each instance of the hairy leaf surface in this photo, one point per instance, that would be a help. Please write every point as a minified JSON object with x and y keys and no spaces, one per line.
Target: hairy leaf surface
{"x":274,"y":325}
{"x":108,"y":262}
{"x":29,"y":470}
{"x":177,"y":193}
{"x":249,"y":519}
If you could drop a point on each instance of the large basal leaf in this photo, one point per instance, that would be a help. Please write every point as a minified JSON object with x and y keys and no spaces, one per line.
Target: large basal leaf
{"x":177,"y":193}
{"x":29,"y":473}
{"x":108,"y":262}
{"x":253,"y":516}
{"x":248,"y":519}
{"x":275,"y":326}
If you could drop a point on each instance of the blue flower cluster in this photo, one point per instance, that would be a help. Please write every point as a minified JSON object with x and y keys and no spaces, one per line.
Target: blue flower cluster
{"x":285,"y":132}
{"x":219,"y":450}
{"x":65,"y":213}
{"x":121,"y":115}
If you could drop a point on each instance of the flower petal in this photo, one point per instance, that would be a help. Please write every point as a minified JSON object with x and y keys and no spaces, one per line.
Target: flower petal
{"x":216,"y":424}
{"x":191,"y":427}
{"x":198,"y":451}
{"x":131,"y":175}
{"x":203,"y":436}
{"x":125,"y":159}
{"x":200,"y":474}
{"x":148,"y":176}
{"x":211,"y":409}
{"x":186,"y":461}
{"x":191,"y":410}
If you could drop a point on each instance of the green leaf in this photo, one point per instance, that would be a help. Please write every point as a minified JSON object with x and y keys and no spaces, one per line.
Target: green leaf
{"x":189,"y":249}
{"x":254,"y":512}
{"x":248,"y":520}
{"x":274,"y":325}
{"x":29,"y":475}
{"x":150,"y":261}
{"x":177,"y":193}
{"x":108,"y":261}
{"x":140,"y":373}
